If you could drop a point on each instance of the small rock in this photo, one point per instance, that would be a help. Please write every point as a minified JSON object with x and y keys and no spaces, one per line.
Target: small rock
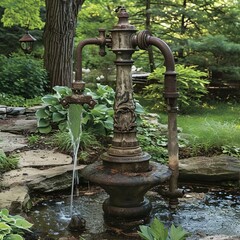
{"x":3,"y":110}
{"x":77,"y":223}
{"x":33,"y":109}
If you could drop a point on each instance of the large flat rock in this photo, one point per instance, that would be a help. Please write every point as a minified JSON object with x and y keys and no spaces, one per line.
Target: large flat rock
{"x":18,"y":125}
{"x":15,"y":199}
{"x":210,"y":169}
{"x":47,"y":180}
{"x":10,"y":142}
{"x":41,"y":158}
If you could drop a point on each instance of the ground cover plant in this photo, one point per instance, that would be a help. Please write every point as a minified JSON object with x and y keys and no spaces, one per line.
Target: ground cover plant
{"x":18,"y":101}
{"x":7,"y":163}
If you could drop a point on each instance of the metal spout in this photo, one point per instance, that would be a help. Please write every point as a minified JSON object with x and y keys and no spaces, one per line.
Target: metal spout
{"x":78,"y":96}
{"x":102,"y":41}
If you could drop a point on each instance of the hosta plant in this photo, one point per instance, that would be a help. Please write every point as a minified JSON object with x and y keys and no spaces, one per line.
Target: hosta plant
{"x":53,"y":114}
{"x":99,"y":119}
{"x":12,"y":227}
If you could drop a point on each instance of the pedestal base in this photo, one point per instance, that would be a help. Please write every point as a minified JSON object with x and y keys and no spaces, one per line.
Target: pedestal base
{"x":126,"y":205}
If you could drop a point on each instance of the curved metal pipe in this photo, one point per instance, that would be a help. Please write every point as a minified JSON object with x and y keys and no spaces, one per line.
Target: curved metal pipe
{"x":166,"y":51}
{"x":80,"y":46}
{"x":143,"y":40}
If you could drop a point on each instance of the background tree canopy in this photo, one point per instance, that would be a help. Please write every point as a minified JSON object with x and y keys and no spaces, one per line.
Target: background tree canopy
{"x":203,"y":33}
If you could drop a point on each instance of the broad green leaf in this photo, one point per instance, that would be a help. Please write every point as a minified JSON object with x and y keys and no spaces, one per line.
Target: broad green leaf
{"x":13,"y":237}
{"x":45,"y":130}
{"x":63,"y":91}
{"x":57,"y":117}
{"x":4,"y":227}
{"x":62,"y":126}
{"x":108,"y":124}
{"x":177,"y":233}
{"x":158,"y":230}
{"x":41,"y":113}
{"x":23,"y":224}
{"x":4,"y":212}
{"x":43,"y":123}
{"x":50,"y":99}
{"x":145,"y":233}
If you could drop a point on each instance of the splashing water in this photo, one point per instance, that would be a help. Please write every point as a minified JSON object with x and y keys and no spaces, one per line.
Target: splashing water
{"x":75,"y":131}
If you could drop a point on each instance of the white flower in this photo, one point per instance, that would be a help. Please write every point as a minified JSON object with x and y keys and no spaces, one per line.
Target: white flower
{"x":101,"y":77}
{"x":86,"y":70}
{"x":134,"y":68}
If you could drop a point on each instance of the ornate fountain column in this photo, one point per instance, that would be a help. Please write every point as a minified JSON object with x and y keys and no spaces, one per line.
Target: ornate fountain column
{"x":124,"y":171}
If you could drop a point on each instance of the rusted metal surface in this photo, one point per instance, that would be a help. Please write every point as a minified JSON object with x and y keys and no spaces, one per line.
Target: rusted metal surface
{"x":124,"y":171}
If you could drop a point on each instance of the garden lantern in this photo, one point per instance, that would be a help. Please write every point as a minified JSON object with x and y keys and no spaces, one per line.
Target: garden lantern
{"x":26,"y":42}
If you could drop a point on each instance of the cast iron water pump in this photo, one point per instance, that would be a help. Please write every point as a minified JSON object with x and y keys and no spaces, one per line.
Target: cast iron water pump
{"x":124,"y":171}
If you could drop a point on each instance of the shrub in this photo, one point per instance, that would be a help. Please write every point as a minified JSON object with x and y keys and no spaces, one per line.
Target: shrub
{"x":22,"y":75}
{"x":12,"y":227}
{"x":191,"y":86}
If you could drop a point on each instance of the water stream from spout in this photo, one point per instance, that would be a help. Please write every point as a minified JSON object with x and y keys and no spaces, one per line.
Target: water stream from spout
{"x":75,"y":131}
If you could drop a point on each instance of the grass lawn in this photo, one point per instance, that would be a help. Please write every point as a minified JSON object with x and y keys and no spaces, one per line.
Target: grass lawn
{"x":213,"y":125}
{"x":211,"y":128}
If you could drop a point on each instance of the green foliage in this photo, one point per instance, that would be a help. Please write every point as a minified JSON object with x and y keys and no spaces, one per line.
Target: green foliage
{"x":153,"y":139}
{"x":62,"y":140}
{"x":22,"y":75}
{"x":33,"y":139}
{"x":53,"y":114}
{"x":12,"y":227}
{"x":18,"y":101}
{"x":99,"y":119}
{"x":7,"y":163}
{"x":157,"y":231}
{"x":233,"y":151}
{"x":191,"y":86}
{"x":23,"y":13}
{"x":217,"y":54}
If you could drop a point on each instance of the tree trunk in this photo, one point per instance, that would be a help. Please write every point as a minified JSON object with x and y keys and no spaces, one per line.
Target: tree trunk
{"x":148,"y":27}
{"x":61,"y":20}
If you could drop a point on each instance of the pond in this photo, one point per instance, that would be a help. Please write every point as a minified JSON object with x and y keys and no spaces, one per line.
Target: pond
{"x":203,"y":211}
